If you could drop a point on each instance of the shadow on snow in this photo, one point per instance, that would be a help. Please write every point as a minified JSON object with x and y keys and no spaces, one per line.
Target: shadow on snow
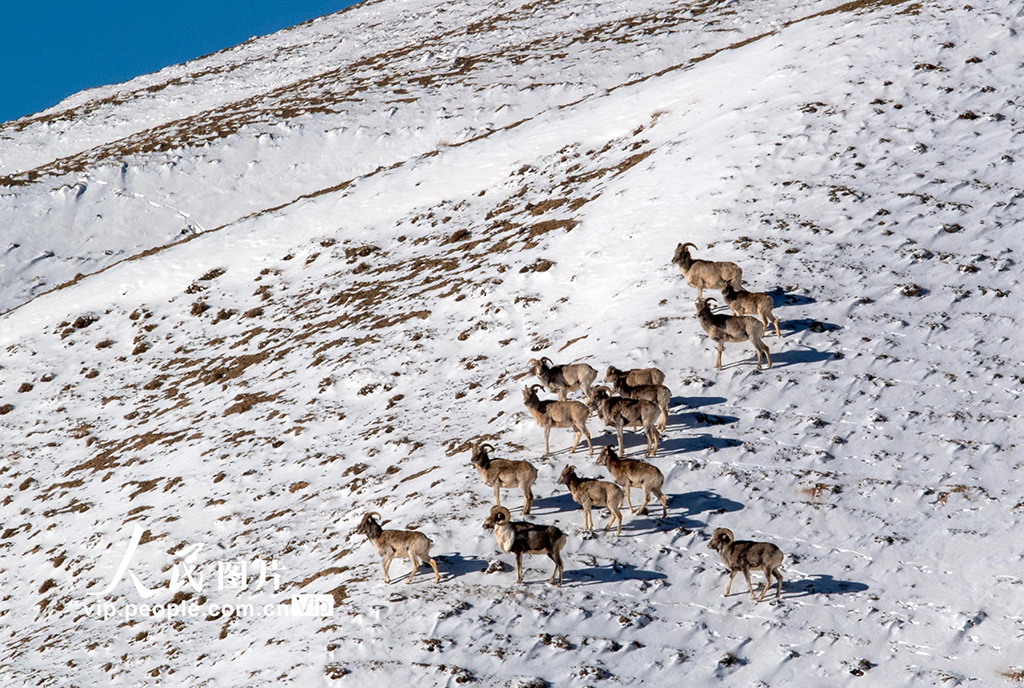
{"x":781,"y":298}
{"x":614,"y":572}
{"x":820,"y":584}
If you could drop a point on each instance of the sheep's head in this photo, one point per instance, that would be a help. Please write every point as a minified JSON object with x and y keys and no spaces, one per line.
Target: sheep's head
{"x":606,"y":454}
{"x":499,"y":515}
{"x":567,"y":473}
{"x":535,"y":366}
{"x":368,"y":524}
{"x":530,"y":394}
{"x":704,"y":305}
{"x":599,"y":394}
{"x":681,"y":253}
{"x":611,"y":374}
{"x":479,"y":457}
{"x":722,"y":538}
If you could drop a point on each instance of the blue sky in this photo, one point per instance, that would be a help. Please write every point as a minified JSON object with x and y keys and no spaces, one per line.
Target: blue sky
{"x":49,"y":50}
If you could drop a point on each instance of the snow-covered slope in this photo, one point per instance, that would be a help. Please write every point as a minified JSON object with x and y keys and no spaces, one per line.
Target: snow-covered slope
{"x":409,"y":202}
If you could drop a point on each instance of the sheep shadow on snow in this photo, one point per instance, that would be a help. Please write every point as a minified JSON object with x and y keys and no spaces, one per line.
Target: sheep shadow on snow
{"x":696,"y":419}
{"x":695,"y":442}
{"x":804,"y":354}
{"x":695,"y":402}
{"x":819,"y":584}
{"x":781,"y":357}
{"x":615,"y":572}
{"x":781,"y":298}
{"x":701,"y":501}
{"x":455,"y":565}
{"x":691,"y":504}
{"x":815,"y":326}
{"x":555,"y":504}
{"x":636,"y":444}
{"x":682,"y":508}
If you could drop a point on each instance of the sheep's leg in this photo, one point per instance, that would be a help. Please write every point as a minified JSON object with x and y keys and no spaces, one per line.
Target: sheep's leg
{"x":718,"y":361}
{"x":767,"y":580}
{"x":664,"y":503}
{"x":778,"y":590}
{"x":587,"y":434}
{"x":527,"y":499}
{"x":629,"y":500}
{"x":647,"y":498}
{"x":750,"y":584}
{"x":576,"y":442}
{"x":415,"y":566}
{"x":519,"y":567}
{"x":497,"y":495}
{"x":433,"y":565}
{"x":547,"y":445}
{"x":556,"y":557}
{"x":732,"y":574}
{"x":386,"y":563}
{"x":616,"y":514}
{"x":767,"y":354}
{"x":588,"y":521}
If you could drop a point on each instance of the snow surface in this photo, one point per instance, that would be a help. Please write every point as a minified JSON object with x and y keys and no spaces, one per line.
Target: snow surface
{"x":394,"y":208}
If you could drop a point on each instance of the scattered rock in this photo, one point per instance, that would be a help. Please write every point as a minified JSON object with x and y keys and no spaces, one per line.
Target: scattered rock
{"x":496,"y":566}
{"x":335,"y":671}
{"x":913,"y":290}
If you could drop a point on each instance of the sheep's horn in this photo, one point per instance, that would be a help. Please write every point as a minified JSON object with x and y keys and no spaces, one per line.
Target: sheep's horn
{"x":501,"y":510}
{"x":689,"y":243}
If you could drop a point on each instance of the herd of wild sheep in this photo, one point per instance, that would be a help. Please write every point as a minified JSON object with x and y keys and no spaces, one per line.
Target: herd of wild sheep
{"x":637,"y":398}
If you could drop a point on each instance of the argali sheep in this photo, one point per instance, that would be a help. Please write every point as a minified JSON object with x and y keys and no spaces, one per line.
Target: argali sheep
{"x":520,"y":537}
{"x":659,"y":395}
{"x":744,"y":555}
{"x":635,"y":376}
{"x":499,"y":473}
{"x":722,"y":328}
{"x":562,"y":379}
{"x":591,"y":492}
{"x":706,"y":274}
{"x":630,"y":473}
{"x":558,"y":414}
{"x":742,"y":302}
{"x":403,"y":544}
{"x":621,"y":412}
